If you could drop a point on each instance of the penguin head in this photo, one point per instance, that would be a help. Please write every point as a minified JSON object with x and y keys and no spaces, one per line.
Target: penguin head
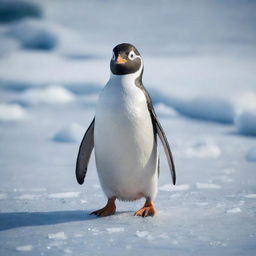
{"x":125,"y":60}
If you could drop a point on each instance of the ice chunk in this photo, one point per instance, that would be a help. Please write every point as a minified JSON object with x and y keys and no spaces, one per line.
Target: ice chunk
{"x":24,"y":248}
{"x":53,"y":94}
{"x":12,"y":10}
{"x":11,"y":112}
{"x":115,"y":230}
{"x":251,"y":154}
{"x":207,"y":186}
{"x":246,"y":122}
{"x":168,"y":187}
{"x":234,"y":210}
{"x":72,"y":133}
{"x":58,"y":236}
{"x":64,"y":195}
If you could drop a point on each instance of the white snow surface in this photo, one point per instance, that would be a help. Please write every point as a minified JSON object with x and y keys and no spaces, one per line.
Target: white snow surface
{"x":200,"y":72}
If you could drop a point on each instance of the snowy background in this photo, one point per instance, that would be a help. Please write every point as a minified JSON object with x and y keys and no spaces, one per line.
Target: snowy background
{"x":200,"y":71}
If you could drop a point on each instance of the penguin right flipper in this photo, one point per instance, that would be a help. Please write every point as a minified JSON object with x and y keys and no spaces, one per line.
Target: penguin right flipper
{"x":84,"y":153}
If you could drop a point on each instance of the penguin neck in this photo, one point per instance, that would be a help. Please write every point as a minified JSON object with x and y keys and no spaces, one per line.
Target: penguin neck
{"x":126,"y":79}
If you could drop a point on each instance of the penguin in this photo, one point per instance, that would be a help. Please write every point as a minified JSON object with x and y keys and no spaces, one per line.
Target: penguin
{"x":124,"y":135}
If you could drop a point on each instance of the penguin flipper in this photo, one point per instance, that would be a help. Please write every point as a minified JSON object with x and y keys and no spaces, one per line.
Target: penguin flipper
{"x":84,"y":153}
{"x":161,"y":134}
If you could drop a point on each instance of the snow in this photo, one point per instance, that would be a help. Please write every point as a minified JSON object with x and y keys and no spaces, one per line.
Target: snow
{"x":115,"y":230}
{"x":58,"y":236}
{"x":72,"y":133}
{"x":64,"y":195}
{"x":246,"y":123}
{"x":52,"y":94}
{"x":203,"y":149}
{"x":200,"y":72}
{"x":207,"y":186}
{"x":24,"y":248}
{"x":234,"y":210}
{"x":12,"y":112}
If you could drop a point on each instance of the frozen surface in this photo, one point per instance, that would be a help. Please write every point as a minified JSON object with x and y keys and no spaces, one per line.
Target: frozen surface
{"x":200,"y":71}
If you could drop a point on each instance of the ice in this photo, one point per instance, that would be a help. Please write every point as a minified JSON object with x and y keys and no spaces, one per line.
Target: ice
{"x":246,"y":122}
{"x":52,"y":94}
{"x":12,"y":10}
{"x":57,"y":236}
{"x":24,"y":248}
{"x":207,"y":186}
{"x":12,"y":112}
{"x":64,"y":195}
{"x":72,"y":133}
{"x":234,"y":210}
{"x":115,"y":230}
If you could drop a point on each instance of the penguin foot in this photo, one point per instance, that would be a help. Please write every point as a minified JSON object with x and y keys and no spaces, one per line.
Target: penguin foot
{"x":147,"y":210}
{"x":108,"y":210}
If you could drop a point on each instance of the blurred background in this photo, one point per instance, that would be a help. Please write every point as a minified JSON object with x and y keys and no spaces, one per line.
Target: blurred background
{"x":199,"y":59}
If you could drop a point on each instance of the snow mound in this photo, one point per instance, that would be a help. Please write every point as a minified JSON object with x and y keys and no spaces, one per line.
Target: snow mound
{"x":27,"y":197}
{"x":72,"y":133}
{"x":246,"y":123}
{"x":144,"y":234}
{"x":11,"y":112}
{"x":58,"y":236}
{"x":48,"y":95}
{"x":251,"y":155}
{"x":7,"y":45}
{"x":164,"y":111}
{"x":207,"y":186}
{"x":33,"y":34}
{"x":11,"y":10}
{"x":211,"y":109}
{"x":203,"y":149}
{"x":24,"y":248}
{"x":2,"y":196}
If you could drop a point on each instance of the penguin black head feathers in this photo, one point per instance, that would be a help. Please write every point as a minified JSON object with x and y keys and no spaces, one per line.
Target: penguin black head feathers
{"x":125,"y":60}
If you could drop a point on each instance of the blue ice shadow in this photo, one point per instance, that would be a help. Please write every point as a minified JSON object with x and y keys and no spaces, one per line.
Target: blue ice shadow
{"x":10,"y":220}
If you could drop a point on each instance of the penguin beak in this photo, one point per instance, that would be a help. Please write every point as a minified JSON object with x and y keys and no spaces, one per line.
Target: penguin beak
{"x":120,"y":60}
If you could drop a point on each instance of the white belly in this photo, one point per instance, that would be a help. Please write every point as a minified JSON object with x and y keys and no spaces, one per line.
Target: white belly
{"x":125,"y":146}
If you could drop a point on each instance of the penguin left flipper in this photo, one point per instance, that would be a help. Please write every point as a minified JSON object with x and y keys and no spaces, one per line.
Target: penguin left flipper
{"x":84,"y":153}
{"x":161,"y":134}
{"x":159,"y":130}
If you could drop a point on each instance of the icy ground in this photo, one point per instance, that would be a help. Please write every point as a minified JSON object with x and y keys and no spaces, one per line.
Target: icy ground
{"x":204,"y":93}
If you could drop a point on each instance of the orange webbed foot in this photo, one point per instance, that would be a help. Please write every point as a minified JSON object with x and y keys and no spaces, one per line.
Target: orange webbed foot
{"x":147,"y":210}
{"x":108,"y":210}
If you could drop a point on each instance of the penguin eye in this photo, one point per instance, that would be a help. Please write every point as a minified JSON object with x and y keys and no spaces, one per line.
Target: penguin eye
{"x":132,"y":55}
